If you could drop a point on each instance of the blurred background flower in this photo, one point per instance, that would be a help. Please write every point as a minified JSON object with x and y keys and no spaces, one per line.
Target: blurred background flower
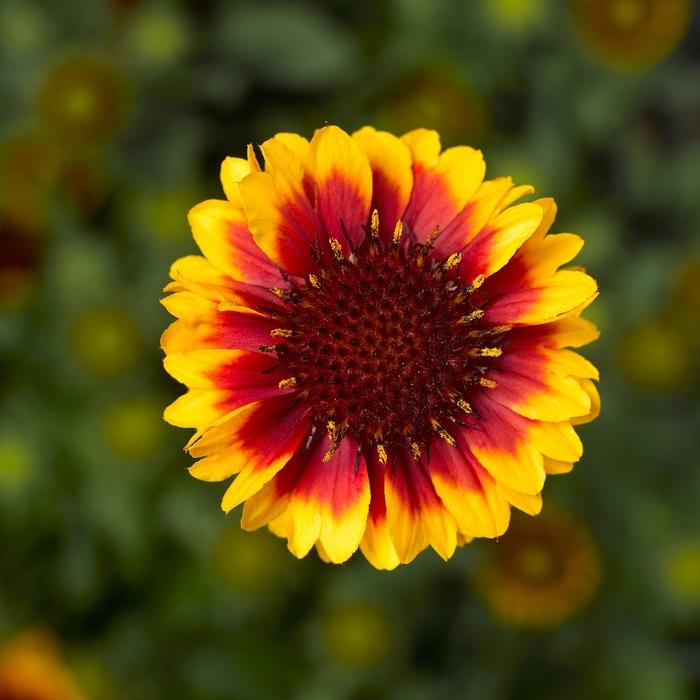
{"x":30,"y":667}
{"x":116,"y":115}
{"x":542,"y":572}
{"x":632,"y":33}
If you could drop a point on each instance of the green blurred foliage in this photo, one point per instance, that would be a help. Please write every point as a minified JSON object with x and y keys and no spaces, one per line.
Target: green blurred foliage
{"x":116,"y":115}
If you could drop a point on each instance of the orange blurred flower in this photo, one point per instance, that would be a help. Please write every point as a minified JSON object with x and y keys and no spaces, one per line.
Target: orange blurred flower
{"x":32,"y":669}
{"x":542,"y":572}
{"x":632,"y":34}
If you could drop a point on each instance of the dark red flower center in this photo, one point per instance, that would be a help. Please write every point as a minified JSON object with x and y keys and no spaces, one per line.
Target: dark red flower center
{"x":387,"y":346}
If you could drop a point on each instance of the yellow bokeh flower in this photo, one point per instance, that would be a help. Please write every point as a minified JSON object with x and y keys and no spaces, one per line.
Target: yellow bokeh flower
{"x":682,"y":571}
{"x":248,"y":562}
{"x":657,"y":355}
{"x":357,"y":634}
{"x":133,"y":427}
{"x":83,"y":99}
{"x":106,"y":340}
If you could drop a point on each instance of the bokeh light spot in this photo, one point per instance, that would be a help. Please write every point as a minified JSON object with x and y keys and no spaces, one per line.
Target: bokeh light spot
{"x":133,"y":428}
{"x":106,"y":340}
{"x":358,"y":634}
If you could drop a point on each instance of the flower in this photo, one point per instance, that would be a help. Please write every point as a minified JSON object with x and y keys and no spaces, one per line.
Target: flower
{"x":375,"y":342}
{"x":30,"y":667}
{"x":542,"y":572}
{"x":435,"y":94}
{"x":632,"y":34}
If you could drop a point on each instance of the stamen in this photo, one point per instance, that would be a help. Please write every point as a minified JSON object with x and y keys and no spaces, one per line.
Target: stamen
{"x":486,"y":352}
{"x":374,"y":224}
{"x":433,"y":236}
{"x":281,"y":333}
{"x":473,"y":316}
{"x":453,"y":260}
{"x":332,"y":429}
{"x":442,"y":432}
{"x":488,"y":383}
{"x":288,"y":383}
{"x":313,"y":281}
{"x":476,"y":283}
{"x":464,"y":406}
{"x":381,"y":453}
{"x":398,"y":232}
{"x":420,"y":259}
{"x":416,"y":450}
{"x":496,"y":330}
{"x":281,"y":293}
{"x":337,"y":249}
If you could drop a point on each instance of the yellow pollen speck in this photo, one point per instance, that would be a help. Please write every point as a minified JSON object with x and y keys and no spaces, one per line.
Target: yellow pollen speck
{"x":478,"y":281}
{"x":281,"y":333}
{"x":332,"y":429}
{"x":486,"y":352}
{"x":374,"y":224}
{"x":415,"y":449}
{"x":464,"y":406}
{"x":329,"y":454}
{"x":337,"y":249}
{"x":488,"y":383}
{"x":433,"y":236}
{"x":398,"y":232}
{"x":288,"y":383}
{"x":313,"y":281}
{"x":473,"y":316}
{"x":381,"y":453}
{"x":446,"y":436}
{"x":453,"y":260}
{"x":281,"y":293}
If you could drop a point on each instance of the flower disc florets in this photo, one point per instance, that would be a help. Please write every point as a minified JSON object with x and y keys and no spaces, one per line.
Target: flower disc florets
{"x":386,"y":346}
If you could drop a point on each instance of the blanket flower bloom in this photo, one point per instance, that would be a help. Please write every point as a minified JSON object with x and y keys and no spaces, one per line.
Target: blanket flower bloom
{"x":375,"y":341}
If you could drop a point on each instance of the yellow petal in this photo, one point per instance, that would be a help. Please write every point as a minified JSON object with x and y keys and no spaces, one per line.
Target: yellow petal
{"x":424,"y":145}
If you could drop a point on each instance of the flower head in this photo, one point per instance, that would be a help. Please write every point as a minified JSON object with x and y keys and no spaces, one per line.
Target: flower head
{"x":374,"y":341}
